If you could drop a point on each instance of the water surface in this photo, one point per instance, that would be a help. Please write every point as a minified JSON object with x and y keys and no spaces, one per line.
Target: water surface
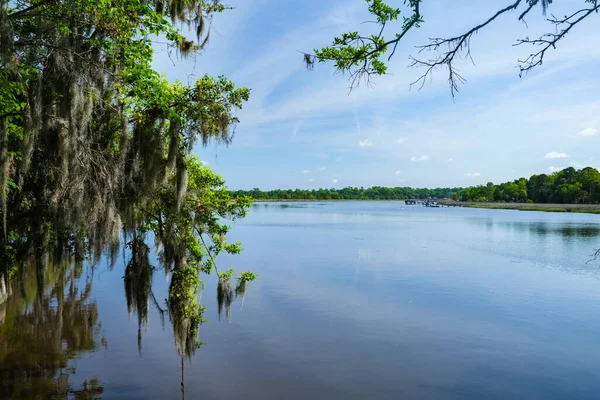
{"x":354,"y":300}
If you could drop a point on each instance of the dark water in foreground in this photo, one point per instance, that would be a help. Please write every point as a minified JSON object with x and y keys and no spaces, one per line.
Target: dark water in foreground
{"x":353,"y":301}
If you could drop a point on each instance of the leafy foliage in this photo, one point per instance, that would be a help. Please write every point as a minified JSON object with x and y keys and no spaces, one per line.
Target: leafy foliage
{"x":191,"y":232}
{"x":89,"y":132}
{"x":563,"y":187}
{"x":361,"y":54}
{"x":94,"y":142}
{"x":350,"y":193}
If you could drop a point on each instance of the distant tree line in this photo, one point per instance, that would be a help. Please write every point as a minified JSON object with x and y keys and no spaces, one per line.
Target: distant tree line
{"x":350,"y":193}
{"x":566,"y":186}
{"x":569,"y":186}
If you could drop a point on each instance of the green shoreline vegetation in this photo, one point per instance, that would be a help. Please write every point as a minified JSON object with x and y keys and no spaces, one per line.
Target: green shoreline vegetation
{"x":568,"y":190}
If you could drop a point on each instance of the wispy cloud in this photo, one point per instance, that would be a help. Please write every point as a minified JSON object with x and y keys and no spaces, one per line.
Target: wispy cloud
{"x":588,"y":132}
{"x":400,"y":140}
{"x":473,"y":174}
{"x":365,"y":143}
{"x":338,"y":158}
{"x":296,"y":130}
{"x":322,"y":169}
{"x":335,"y":181}
{"x":420,"y":158}
{"x":555,"y":154}
{"x":311,"y":180}
{"x":305,"y":171}
{"x":398,"y":172}
{"x":450,"y":160}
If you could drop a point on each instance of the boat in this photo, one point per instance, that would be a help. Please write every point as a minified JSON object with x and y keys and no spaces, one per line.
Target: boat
{"x":431,"y":203}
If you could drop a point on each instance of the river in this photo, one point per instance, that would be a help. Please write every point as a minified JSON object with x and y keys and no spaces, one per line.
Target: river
{"x":353,"y":300}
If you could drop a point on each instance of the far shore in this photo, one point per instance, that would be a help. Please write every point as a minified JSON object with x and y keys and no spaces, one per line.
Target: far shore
{"x":576,"y":208}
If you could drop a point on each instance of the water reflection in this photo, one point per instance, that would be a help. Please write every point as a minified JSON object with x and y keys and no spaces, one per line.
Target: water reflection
{"x":548,"y":228}
{"x":138,"y":286}
{"x":47,"y":318}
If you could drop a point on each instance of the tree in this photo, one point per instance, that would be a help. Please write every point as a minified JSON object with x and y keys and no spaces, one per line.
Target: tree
{"x":590,"y":180}
{"x":365,"y":55}
{"x":89,"y":132}
{"x":94,"y":142}
{"x":566,"y":186}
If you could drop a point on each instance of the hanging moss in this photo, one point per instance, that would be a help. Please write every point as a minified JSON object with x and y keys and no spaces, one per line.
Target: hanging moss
{"x":96,"y":131}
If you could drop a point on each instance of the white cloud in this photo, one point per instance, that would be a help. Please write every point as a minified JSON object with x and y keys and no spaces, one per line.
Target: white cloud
{"x":401,"y":180}
{"x":311,"y":180}
{"x":555,"y":154}
{"x":450,"y":160}
{"x":473,"y":174}
{"x":322,"y":169}
{"x":365,"y":143}
{"x":338,"y":158}
{"x":204,"y":162}
{"x":400,"y":140}
{"x":398,"y":172}
{"x":335,"y":181}
{"x":323,"y":156}
{"x":588,"y":132}
{"x":305,"y":171}
{"x":420,"y":158}
{"x":554,"y":169}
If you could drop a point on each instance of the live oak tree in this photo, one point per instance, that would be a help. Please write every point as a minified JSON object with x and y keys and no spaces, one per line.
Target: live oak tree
{"x":365,"y":55}
{"x":95,"y":143}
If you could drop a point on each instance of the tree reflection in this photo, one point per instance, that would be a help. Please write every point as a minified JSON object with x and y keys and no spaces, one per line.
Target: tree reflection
{"x":47,"y":318}
{"x":138,"y":284}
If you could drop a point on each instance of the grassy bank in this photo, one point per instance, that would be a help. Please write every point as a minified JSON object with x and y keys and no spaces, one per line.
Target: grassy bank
{"x":577,"y":208}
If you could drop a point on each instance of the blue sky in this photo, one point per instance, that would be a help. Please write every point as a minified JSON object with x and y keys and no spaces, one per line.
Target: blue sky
{"x":302,"y":129}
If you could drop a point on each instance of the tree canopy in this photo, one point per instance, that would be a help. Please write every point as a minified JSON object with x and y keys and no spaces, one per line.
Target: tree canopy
{"x":567,"y":186}
{"x":95,"y":143}
{"x":364,"y":55}
{"x":564,"y":187}
{"x":350,"y":193}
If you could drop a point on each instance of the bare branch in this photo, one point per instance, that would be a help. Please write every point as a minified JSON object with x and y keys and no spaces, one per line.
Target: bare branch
{"x":549,"y":40}
{"x":455,"y":46}
{"x":531,"y":5}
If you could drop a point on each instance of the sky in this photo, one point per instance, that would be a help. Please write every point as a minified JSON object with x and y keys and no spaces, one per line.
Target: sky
{"x":304,"y":129}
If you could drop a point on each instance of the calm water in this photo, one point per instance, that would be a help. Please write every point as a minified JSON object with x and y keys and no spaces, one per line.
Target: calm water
{"x":372,"y":300}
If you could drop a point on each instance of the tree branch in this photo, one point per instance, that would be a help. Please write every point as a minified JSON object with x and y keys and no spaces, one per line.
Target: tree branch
{"x":549,"y":40}
{"x":21,"y":13}
{"x":455,"y":45}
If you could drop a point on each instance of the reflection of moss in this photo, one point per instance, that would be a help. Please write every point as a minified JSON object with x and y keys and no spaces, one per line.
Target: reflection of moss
{"x":138,"y":284}
{"x":49,"y":320}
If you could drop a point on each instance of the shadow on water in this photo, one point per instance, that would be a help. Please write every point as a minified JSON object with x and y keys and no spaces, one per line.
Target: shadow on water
{"x":565,"y":230}
{"x":47,"y":319}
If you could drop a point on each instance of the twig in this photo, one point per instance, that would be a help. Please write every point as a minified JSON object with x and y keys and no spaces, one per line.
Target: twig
{"x":549,"y":40}
{"x":455,"y":45}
